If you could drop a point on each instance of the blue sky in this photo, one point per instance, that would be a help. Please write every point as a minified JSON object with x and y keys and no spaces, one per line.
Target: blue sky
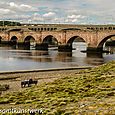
{"x":59,"y":11}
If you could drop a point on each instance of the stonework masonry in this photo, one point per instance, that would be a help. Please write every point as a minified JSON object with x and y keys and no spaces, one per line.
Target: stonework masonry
{"x":94,"y":38}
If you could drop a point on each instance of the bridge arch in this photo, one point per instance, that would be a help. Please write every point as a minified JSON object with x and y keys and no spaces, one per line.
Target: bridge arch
{"x":29,"y":38}
{"x":73,"y":38}
{"x":101,"y":43}
{"x":29,"y":41}
{"x":77,"y":43}
{"x":13,"y":40}
{"x":50,"y":40}
{"x":72,"y":35}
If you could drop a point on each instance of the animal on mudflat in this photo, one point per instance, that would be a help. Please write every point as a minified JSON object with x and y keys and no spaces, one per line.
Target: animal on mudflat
{"x":28,"y":82}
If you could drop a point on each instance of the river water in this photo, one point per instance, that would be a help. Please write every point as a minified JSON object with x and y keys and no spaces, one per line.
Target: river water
{"x":15,"y":59}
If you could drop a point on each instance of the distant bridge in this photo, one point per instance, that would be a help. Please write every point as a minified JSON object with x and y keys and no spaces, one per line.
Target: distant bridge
{"x":63,"y":35}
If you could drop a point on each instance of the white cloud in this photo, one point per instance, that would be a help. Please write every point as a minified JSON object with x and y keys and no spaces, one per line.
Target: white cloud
{"x":75,"y":16}
{"x":36,"y":17}
{"x":74,"y":20}
{"x":49,"y":14}
{"x":5,"y":11}
{"x":12,"y":4}
{"x":54,"y":11}
{"x":21,"y":7}
{"x":71,"y":20}
{"x":25,"y":6}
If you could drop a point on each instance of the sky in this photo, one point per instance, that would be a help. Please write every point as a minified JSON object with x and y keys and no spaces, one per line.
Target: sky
{"x":58,"y":11}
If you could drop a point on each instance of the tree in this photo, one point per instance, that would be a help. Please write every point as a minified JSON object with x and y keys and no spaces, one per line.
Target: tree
{"x":9,"y":23}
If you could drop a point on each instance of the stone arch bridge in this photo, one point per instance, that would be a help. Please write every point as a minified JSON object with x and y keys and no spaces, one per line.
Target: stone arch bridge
{"x":64,"y":37}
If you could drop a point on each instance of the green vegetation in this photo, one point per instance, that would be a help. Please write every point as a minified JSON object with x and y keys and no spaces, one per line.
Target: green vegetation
{"x":86,"y":93}
{"x":4,"y":87}
{"x":9,"y":23}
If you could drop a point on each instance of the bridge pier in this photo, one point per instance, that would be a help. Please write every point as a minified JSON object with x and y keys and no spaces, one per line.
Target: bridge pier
{"x":23,"y":45}
{"x":4,"y":42}
{"x":12,"y":43}
{"x":94,"y":55}
{"x":27,"y":45}
{"x":20,"y":45}
{"x":95,"y":50}
{"x":41,"y":46}
{"x":65,"y":48}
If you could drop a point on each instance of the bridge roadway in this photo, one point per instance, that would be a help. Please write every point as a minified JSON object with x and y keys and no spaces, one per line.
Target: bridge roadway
{"x":63,"y":35}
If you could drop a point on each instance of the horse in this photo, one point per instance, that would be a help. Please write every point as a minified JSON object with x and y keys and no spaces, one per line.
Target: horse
{"x":28,"y":82}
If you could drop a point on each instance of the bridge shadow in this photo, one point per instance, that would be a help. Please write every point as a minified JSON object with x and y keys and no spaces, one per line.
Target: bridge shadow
{"x":64,"y":56}
{"x":94,"y":58}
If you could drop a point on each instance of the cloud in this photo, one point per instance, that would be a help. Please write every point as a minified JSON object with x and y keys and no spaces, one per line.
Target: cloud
{"x":37,"y":17}
{"x":12,"y":4}
{"x":71,"y":20}
{"x":49,"y":14}
{"x":48,"y":17}
{"x":21,"y":7}
{"x":55,"y":11}
{"x":76,"y":16}
{"x":5,"y":11}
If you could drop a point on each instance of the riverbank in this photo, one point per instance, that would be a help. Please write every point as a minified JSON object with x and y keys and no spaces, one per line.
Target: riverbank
{"x":69,"y":92}
{"x":46,"y":70}
{"x":13,"y":79}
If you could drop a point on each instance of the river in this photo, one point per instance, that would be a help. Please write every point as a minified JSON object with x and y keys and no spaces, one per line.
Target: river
{"x":15,"y":59}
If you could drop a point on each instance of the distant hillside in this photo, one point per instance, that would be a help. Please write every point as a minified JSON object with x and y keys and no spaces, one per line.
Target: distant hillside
{"x":9,"y":23}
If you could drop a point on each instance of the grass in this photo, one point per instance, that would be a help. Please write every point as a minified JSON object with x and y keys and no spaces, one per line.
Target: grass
{"x":87,"y":93}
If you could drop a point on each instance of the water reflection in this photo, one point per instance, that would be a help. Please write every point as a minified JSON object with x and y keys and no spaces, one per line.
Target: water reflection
{"x":94,"y":55}
{"x":94,"y":58}
{"x":101,"y":58}
{"x":64,"y":56}
{"x":16,"y":59}
{"x":38,"y":56}
{"x":110,"y":49}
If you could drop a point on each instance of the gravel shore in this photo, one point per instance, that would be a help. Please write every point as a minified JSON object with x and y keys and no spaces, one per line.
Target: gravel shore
{"x":14,"y":79}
